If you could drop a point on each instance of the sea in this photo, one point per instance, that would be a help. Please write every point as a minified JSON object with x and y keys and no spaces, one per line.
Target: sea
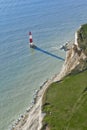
{"x":23,"y":69}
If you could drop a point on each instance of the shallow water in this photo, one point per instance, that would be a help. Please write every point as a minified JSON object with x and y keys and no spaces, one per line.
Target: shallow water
{"x":23,"y":70}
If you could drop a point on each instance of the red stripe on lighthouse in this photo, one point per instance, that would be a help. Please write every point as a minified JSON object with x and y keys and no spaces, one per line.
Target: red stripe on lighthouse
{"x":31,"y":40}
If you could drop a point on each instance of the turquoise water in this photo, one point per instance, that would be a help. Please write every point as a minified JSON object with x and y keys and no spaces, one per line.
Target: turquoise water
{"x":23,"y":70}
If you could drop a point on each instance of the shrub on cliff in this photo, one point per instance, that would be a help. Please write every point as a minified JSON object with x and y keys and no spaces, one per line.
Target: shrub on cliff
{"x":82,"y":38}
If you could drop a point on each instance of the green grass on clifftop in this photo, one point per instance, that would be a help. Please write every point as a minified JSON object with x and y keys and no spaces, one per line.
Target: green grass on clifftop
{"x":82,"y":37}
{"x":65,"y":104}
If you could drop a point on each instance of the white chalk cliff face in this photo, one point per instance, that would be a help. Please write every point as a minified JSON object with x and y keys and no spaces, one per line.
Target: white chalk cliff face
{"x":76,"y":43}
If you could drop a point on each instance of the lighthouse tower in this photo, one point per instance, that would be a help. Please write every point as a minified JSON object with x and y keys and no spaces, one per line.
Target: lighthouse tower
{"x":31,"y":40}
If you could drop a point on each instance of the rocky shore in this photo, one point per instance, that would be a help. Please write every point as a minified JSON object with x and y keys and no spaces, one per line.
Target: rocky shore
{"x":32,"y":120}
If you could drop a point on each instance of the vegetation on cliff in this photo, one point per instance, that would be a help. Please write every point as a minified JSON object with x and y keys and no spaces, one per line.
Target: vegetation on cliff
{"x":65,"y":104}
{"x":82,"y":38}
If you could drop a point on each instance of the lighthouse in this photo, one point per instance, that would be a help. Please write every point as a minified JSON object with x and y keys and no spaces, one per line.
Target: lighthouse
{"x":31,"y":40}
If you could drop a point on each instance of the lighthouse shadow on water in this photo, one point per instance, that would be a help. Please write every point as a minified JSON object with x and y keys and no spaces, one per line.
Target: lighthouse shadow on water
{"x":48,"y":53}
{"x":41,"y":50}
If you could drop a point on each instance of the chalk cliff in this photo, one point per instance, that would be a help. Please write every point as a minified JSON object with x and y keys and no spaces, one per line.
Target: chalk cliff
{"x":76,"y":56}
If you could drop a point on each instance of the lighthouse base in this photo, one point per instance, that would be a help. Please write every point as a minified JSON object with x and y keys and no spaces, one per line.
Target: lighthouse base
{"x":32,"y":46}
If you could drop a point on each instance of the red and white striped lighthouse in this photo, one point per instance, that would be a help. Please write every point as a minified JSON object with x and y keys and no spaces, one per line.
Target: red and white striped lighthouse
{"x":31,"y":39}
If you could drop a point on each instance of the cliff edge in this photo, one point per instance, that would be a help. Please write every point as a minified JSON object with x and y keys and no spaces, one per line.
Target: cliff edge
{"x":76,"y":55}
